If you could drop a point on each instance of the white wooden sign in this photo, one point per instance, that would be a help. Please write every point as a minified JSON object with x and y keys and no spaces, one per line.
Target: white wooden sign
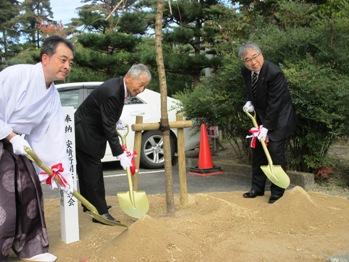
{"x":68,"y":203}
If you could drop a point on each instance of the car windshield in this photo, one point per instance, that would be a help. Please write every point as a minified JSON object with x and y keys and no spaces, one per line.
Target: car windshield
{"x":133,"y":100}
{"x":69,"y":97}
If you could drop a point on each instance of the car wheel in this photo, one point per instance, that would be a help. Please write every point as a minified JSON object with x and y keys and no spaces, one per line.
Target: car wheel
{"x":152,"y":152}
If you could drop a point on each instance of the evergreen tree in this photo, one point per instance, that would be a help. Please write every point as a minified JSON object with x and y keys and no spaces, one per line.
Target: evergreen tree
{"x":107,"y":16}
{"x":35,"y":12}
{"x":191,"y":35}
{"x":9,"y":35}
{"x":111,"y":46}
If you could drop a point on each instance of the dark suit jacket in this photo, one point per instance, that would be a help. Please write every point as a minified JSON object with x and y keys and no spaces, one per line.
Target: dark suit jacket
{"x":96,"y":117}
{"x":272,"y":103}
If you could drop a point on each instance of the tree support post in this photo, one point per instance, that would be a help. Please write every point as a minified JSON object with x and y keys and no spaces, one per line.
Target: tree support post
{"x":180,"y":124}
{"x":183,"y":189}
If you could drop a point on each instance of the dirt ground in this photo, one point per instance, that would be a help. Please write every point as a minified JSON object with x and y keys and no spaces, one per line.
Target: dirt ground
{"x":221,"y":226}
{"x":301,"y":226}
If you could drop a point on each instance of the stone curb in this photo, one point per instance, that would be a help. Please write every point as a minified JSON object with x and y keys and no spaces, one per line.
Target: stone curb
{"x":305,"y":180}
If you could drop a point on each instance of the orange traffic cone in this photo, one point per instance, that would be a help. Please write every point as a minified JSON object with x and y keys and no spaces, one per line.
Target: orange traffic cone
{"x":205,"y":165}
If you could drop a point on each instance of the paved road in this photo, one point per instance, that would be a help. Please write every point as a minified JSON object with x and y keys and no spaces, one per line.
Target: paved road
{"x":153,"y":182}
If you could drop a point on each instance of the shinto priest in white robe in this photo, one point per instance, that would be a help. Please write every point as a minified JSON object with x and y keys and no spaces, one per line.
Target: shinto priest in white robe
{"x":28,"y":107}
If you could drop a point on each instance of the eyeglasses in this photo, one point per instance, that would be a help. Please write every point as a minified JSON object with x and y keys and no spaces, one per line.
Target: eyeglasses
{"x":249,"y":60}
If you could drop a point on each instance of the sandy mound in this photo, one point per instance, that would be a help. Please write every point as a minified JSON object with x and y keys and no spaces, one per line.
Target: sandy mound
{"x":214,"y":227}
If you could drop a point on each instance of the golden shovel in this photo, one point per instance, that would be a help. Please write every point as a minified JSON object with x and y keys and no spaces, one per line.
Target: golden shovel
{"x":274,"y":173}
{"x":92,"y":210}
{"x":133,"y":203}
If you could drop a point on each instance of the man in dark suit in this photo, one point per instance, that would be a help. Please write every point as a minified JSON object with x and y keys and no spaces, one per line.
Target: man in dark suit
{"x":267,"y":95}
{"x":95,"y":125}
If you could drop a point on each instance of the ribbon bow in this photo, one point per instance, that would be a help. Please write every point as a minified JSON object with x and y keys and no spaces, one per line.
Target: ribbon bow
{"x":133,"y":156}
{"x":55,"y":176}
{"x":254,"y":131}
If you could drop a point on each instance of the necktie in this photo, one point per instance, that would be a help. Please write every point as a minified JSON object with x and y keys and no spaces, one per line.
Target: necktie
{"x":254,"y":83}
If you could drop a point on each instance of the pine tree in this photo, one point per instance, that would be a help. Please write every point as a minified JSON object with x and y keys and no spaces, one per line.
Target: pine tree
{"x":35,"y":12}
{"x":9,"y":10}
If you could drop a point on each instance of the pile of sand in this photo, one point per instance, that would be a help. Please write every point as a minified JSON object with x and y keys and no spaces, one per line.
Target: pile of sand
{"x":214,"y":227}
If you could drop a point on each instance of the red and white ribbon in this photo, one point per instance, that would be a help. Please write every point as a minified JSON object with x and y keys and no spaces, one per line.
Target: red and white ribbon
{"x":254,"y":131}
{"x":50,"y":180}
{"x":132,"y":156}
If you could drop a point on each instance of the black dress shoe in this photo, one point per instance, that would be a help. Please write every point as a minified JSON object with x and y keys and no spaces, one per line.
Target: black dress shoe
{"x":252,"y":194}
{"x":108,"y":217}
{"x":84,"y":209}
{"x":274,"y":198}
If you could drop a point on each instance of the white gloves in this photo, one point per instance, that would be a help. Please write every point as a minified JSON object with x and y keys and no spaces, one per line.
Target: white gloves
{"x":248,"y":107}
{"x":120,"y":125}
{"x":18,"y":143}
{"x":125,"y":160}
{"x":262,"y":136}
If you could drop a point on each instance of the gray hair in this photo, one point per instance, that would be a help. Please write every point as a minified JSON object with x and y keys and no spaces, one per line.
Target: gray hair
{"x":139,"y":69}
{"x":250,"y":45}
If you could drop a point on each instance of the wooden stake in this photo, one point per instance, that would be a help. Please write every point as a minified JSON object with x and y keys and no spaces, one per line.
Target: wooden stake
{"x":182,"y":173}
{"x":155,"y":126}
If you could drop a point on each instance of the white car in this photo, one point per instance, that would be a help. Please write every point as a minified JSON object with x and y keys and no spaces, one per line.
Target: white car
{"x":146,"y":104}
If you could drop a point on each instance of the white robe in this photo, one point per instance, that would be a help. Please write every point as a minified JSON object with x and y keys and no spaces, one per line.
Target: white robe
{"x":28,"y":107}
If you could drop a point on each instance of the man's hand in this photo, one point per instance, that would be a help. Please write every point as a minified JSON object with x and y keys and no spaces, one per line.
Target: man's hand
{"x":18,"y":143}
{"x":262,"y":136}
{"x":125,"y":160}
{"x":120,"y":125}
{"x":248,"y":107}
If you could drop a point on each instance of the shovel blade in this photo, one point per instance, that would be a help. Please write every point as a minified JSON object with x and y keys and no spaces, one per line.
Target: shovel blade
{"x":137,"y":208}
{"x":276,"y":175}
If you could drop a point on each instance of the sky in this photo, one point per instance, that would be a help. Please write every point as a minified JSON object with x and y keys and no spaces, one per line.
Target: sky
{"x":64,"y":10}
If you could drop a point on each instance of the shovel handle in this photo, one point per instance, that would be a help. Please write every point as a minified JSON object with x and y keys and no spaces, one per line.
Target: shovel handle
{"x":123,"y":137}
{"x":128,"y":170}
{"x":255,"y":124}
{"x":34,"y":157}
{"x":130,"y":185}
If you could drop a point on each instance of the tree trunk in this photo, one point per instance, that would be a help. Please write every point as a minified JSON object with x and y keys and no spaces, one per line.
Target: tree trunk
{"x":4,"y":37}
{"x":164,"y":115}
